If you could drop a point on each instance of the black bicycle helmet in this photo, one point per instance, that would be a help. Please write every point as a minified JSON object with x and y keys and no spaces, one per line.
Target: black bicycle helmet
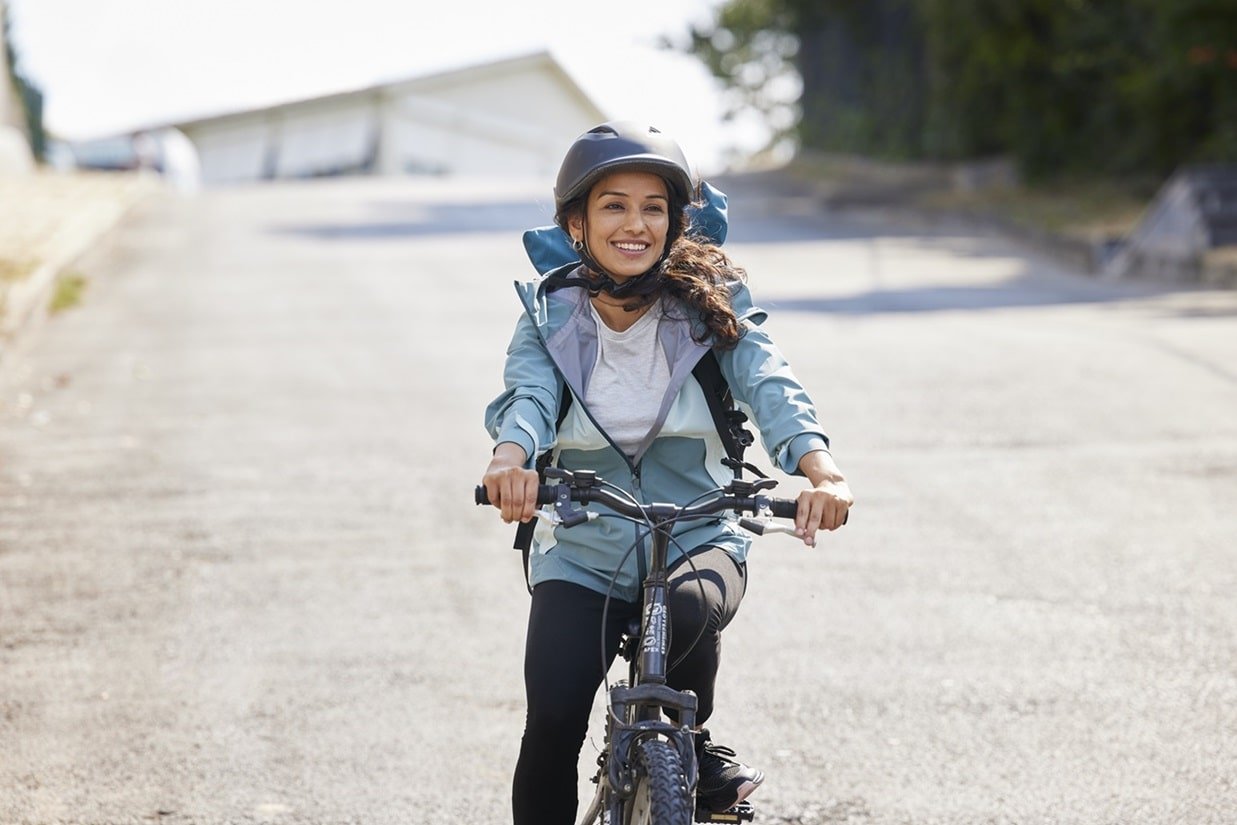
{"x":607,"y":148}
{"x":621,"y":145}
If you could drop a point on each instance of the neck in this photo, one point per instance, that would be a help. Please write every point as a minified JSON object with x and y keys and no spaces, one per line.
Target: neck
{"x":612,"y":312}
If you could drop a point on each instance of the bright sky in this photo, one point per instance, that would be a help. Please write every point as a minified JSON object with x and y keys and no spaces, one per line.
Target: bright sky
{"x":108,"y":66}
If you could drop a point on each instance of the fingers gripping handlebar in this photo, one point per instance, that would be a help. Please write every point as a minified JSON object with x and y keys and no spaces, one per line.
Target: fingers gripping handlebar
{"x":546,"y":494}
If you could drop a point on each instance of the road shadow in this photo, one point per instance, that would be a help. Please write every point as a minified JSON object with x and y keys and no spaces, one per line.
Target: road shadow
{"x":767,"y":210}
{"x":403,"y":220}
{"x":762,"y":208}
{"x":1026,"y":291}
{"x":763,"y":221}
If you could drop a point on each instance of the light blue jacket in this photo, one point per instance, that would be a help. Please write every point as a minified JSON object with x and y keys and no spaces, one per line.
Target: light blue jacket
{"x":553,"y":351}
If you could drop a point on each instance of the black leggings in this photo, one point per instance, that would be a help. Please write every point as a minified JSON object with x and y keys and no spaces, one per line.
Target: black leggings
{"x":563,"y":669}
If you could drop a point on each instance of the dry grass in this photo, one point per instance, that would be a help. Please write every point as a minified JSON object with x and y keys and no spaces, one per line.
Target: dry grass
{"x":1089,"y":210}
{"x":15,"y":270}
{"x":1083,"y":210}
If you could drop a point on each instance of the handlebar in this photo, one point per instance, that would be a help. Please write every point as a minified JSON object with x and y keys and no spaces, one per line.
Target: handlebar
{"x":554,"y":493}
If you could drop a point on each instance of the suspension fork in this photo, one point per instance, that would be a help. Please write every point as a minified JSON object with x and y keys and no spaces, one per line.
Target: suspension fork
{"x":637,"y":708}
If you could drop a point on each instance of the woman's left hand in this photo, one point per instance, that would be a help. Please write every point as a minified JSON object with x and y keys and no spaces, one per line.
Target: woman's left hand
{"x":824,"y":506}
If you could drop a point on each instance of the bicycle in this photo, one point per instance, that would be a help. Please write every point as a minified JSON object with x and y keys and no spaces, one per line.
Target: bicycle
{"x":647,"y":770}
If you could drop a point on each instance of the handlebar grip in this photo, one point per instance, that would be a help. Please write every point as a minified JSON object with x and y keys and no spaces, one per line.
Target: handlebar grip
{"x":546,"y":494}
{"x":784,"y":507}
{"x":789,"y":507}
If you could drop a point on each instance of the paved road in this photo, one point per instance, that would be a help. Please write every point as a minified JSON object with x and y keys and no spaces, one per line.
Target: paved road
{"x":242,"y":580}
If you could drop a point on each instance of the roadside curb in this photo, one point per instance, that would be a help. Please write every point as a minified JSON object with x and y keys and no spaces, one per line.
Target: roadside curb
{"x":857,"y":185}
{"x":25,"y":302}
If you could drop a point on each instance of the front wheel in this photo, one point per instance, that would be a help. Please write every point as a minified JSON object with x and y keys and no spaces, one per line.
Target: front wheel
{"x":662,"y":796}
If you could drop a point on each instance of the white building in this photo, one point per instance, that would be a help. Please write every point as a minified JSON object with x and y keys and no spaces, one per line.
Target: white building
{"x":511,"y":117}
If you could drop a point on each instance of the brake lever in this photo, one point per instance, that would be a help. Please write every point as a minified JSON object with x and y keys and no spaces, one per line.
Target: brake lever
{"x":568,"y":516}
{"x":762,"y":526}
{"x":565,"y":511}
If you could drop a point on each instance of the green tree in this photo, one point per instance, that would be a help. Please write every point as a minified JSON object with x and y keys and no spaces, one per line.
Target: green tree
{"x":751,"y":46}
{"x":1062,"y":86}
{"x":29,"y":95}
{"x":843,"y":75}
{"x":1086,"y":85}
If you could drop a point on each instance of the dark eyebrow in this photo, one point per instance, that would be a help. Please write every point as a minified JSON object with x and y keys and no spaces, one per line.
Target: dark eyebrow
{"x":625,"y":195}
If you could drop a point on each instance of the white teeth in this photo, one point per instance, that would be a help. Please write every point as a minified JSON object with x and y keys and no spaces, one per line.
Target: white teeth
{"x":632,"y":247}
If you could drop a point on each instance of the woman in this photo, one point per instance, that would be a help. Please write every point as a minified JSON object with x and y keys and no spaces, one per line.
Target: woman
{"x":620,"y":331}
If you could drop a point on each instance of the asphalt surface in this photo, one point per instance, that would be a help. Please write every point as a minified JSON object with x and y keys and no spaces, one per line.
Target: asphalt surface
{"x":242,"y":578}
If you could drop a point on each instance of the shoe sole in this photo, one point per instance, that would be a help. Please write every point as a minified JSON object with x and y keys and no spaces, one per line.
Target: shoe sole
{"x":742,"y":792}
{"x":746,"y":789}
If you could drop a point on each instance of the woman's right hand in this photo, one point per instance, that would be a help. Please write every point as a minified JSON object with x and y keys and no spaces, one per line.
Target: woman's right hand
{"x":511,"y":487}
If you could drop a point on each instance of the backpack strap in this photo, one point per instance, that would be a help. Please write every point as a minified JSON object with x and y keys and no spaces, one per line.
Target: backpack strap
{"x":729,"y":421}
{"x":524,"y":530}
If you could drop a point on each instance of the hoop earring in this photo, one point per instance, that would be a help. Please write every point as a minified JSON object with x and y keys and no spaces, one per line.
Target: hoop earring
{"x":578,"y":245}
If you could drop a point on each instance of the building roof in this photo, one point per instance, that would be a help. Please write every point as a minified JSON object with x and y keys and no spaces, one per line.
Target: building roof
{"x":479,"y":71}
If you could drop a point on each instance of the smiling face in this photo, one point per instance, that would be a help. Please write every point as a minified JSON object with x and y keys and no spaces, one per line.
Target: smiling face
{"x":628,"y":218}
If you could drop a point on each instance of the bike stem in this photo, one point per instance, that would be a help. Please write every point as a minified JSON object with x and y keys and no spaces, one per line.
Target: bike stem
{"x":654,"y":622}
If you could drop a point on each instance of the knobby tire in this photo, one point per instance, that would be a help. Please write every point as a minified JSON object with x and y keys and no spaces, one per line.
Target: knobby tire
{"x":662,"y":796}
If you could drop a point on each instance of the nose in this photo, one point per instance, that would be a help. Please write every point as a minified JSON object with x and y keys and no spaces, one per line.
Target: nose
{"x":634,"y":222}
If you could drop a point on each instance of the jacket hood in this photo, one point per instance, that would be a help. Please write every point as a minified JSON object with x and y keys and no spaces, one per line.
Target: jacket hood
{"x":549,"y":247}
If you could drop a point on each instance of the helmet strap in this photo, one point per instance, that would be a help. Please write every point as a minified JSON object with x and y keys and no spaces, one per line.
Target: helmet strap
{"x":639,"y":286}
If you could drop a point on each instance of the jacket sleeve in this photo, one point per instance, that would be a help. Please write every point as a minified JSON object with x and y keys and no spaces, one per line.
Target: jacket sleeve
{"x":527,"y":410}
{"x":762,"y":383}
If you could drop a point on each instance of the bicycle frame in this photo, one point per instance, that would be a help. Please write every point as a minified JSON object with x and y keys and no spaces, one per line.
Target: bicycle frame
{"x":635,"y":709}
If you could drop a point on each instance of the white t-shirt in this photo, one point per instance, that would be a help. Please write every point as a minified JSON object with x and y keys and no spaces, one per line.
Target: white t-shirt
{"x":629,"y":379}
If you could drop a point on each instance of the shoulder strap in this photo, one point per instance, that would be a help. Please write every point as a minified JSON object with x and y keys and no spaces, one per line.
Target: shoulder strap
{"x":524,"y":530}
{"x":717,"y":392}
{"x":728,"y":420}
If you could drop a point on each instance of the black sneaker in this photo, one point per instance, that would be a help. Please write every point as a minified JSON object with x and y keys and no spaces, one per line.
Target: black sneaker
{"x":724,"y":782}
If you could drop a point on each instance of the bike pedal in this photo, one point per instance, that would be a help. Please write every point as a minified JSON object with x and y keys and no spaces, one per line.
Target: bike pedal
{"x":743,"y":812}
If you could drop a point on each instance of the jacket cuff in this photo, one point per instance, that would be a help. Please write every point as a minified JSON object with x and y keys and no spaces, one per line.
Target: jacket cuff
{"x":800,"y":446}
{"x":516,"y":434}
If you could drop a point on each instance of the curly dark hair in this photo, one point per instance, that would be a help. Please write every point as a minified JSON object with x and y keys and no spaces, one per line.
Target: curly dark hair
{"x":699,"y":274}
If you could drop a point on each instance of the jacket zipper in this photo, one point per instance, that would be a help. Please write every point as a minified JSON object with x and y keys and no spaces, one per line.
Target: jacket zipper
{"x":641,"y":548}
